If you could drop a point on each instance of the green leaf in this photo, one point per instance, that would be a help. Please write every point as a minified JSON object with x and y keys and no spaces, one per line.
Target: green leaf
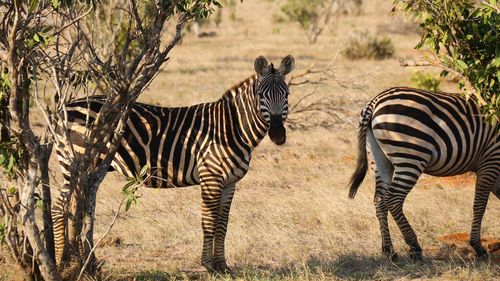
{"x":31,"y":43}
{"x":39,"y":204}
{"x":128,"y":185}
{"x":36,"y":38}
{"x":462,"y":65}
{"x":128,"y":204}
{"x":143,"y":171}
{"x":55,"y":3}
{"x":46,"y":29}
{"x":12,"y":190}
{"x":33,"y":5}
{"x":11,"y":163}
{"x":2,"y":232}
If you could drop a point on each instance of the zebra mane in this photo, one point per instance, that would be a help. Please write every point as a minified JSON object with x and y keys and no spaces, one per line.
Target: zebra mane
{"x":236,"y":89}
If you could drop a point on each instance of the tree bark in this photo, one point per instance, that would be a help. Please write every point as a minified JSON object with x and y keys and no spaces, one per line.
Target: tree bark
{"x":45,"y":151}
{"x":27,"y":213}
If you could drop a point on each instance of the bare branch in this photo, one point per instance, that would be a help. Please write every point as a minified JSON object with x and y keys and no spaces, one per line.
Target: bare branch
{"x":86,"y":13}
{"x":435,"y":62}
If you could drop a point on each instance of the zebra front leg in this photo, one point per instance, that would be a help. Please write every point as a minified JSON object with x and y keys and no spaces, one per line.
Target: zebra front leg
{"x":480,"y":201}
{"x":211,"y":190}
{"x":394,"y":199}
{"x":220,"y":264}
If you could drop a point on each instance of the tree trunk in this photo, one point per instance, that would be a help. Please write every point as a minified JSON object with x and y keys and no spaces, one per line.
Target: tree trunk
{"x":88,"y":226}
{"x":27,"y":214}
{"x":45,"y":151}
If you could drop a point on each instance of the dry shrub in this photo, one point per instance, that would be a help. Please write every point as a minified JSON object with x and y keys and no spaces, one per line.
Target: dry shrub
{"x":314,"y":15}
{"x":362,"y":44}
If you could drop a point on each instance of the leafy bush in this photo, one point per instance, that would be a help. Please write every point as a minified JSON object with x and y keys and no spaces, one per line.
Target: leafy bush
{"x":363,"y":45}
{"x":426,"y":81}
{"x":465,"y":37}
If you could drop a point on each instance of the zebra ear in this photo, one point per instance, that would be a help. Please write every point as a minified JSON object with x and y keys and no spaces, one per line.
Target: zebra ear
{"x":287,"y":64}
{"x":260,"y":65}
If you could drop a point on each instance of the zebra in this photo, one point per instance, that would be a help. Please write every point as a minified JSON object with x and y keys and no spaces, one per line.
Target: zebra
{"x":410,"y":132}
{"x":207,"y":144}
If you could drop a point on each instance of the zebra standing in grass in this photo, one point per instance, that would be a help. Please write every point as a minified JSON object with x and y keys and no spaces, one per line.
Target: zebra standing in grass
{"x":208,"y":144}
{"x":410,"y":132}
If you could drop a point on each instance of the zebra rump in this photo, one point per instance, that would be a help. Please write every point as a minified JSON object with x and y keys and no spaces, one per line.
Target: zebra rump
{"x":409,"y":132}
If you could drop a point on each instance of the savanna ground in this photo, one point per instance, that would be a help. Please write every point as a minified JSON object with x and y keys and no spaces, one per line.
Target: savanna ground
{"x":291,"y":218}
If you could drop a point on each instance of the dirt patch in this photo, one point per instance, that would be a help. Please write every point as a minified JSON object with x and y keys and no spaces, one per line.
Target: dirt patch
{"x":459,"y":181}
{"x":459,"y":243}
{"x":348,"y":159}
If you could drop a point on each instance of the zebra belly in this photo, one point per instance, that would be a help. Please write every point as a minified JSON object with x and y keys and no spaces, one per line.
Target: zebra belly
{"x":159,"y":177}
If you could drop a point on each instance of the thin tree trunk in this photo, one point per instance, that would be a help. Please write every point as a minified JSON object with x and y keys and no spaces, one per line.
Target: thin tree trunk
{"x":88,"y":226}
{"x":45,"y":151}
{"x":27,"y":214}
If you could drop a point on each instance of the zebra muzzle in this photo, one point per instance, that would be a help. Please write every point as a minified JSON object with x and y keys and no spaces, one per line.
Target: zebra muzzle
{"x":277,"y":131}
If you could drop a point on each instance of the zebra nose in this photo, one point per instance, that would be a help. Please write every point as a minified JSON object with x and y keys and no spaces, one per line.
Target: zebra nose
{"x":277,"y":132}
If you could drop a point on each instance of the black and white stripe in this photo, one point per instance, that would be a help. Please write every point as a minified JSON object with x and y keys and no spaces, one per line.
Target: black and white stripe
{"x":207,"y":144}
{"x":410,"y":132}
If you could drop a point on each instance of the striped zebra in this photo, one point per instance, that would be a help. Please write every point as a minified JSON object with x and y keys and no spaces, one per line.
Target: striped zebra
{"x":410,"y":132}
{"x":207,"y":144}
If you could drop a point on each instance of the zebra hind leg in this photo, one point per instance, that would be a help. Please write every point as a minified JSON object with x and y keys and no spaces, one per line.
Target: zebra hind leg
{"x":394,"y":198}
{"x":382,"y":212}
{"x":384,"y":171}
{"x":483,"y":188}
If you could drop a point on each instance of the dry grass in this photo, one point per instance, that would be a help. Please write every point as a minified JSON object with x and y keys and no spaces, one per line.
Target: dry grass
{"x":291,"y":219}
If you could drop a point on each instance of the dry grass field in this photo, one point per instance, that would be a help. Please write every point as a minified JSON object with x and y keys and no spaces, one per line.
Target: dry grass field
{"x":291,"y":218}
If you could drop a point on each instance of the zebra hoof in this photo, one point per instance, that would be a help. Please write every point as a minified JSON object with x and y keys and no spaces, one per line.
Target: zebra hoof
{"x":220,"y":268}
{"x":480,"y":251}
{"x":416,"y":256}
{"x":208,"y":266}
{"x":390,"y":254}
{"x":393,"y":256}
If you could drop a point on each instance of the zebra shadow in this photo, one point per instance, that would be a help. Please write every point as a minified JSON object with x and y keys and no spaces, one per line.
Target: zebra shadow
{"x":439,"y":262}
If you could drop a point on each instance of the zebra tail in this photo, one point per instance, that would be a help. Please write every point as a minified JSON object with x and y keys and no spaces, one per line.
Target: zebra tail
{"x":362,"y":162}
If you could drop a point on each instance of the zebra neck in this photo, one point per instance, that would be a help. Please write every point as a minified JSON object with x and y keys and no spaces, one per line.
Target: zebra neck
{"x":242,"y":104}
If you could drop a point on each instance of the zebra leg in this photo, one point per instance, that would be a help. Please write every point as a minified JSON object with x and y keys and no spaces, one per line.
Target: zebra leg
{"x":211,"y":190}
{"x":384,"y":172}
{"x":382,"y":211}
{"x":59,"y":225}
{"x":394,"y":198}
{"x":483,"y":188}
{"x":221,"y":228}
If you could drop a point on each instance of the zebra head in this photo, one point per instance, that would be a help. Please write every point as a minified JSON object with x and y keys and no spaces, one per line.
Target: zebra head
{"x":272,"y":92}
